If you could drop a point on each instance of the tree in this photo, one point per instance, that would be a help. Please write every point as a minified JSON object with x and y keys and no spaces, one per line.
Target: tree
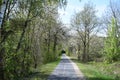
{"x":111,"y":43}
{"x":17,"y":51}
{"x":3,"y":4}
{"x":5,"y":8}
{"x":113,"y":32}
{"x":85,"y":23}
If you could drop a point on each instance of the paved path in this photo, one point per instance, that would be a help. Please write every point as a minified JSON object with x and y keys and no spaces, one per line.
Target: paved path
{"x":66,"y":70}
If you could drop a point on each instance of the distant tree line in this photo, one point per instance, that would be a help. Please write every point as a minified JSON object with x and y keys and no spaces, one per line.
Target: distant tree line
{"x":91,"y":47}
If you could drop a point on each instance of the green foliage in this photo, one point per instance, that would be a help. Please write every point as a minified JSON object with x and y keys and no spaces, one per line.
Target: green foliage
{"x":29,"y":37}
{"x":51,"y":55}
{"x":111,"y":44}
{"x":17,"y":64}
{"x":99,"y":70}
{"x":42,"y":72}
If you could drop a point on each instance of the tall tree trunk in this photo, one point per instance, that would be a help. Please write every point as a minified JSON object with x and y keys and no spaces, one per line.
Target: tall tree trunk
{"x":84,"y":59}
{"x":24,"y":28}
{"x":3,"y":9}
{"x":48,"y":48}
{"x":1,"y":64}
{"x":88,"y":44}
{"x":22,"y":35}
{"x":78,"y":51}
{"x":84,"y":52}
{"x":54,"y":46}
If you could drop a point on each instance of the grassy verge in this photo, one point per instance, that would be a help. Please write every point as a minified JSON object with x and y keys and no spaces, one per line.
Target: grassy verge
{"x":99,"y":71}
{"x":42,"y":72}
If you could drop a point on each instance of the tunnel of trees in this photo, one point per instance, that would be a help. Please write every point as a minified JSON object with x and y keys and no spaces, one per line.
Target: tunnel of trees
{"x":31,"y":33}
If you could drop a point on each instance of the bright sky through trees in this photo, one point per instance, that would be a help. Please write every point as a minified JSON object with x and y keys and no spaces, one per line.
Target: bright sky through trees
{"x":76,"y":5}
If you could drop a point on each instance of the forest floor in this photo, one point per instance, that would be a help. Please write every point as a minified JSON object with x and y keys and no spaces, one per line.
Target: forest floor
{"x":99,"y":70}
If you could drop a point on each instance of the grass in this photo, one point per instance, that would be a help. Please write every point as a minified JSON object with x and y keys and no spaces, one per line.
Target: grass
{"x":99,"y":70}
{"x":42,"y":72}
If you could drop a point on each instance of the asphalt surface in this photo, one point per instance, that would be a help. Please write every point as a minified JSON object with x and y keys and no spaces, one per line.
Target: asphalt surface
{"x":66,"y":70}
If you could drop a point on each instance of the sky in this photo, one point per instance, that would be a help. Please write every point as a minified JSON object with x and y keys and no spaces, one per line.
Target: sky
{"x":77,"y":5}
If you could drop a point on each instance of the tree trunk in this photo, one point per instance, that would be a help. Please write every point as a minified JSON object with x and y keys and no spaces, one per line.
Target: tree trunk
{"x":49,"y":42}
{"x":84,"y":58}
{"x":88,"y":44}
{"x":54,"y":46}
{"x":3,"y":9}
{"x":1,"y":64}
{"x":79,"y":52}
{"x":84,"y":52}
{"x":21,"y":37}
{"x":24,"y":29}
